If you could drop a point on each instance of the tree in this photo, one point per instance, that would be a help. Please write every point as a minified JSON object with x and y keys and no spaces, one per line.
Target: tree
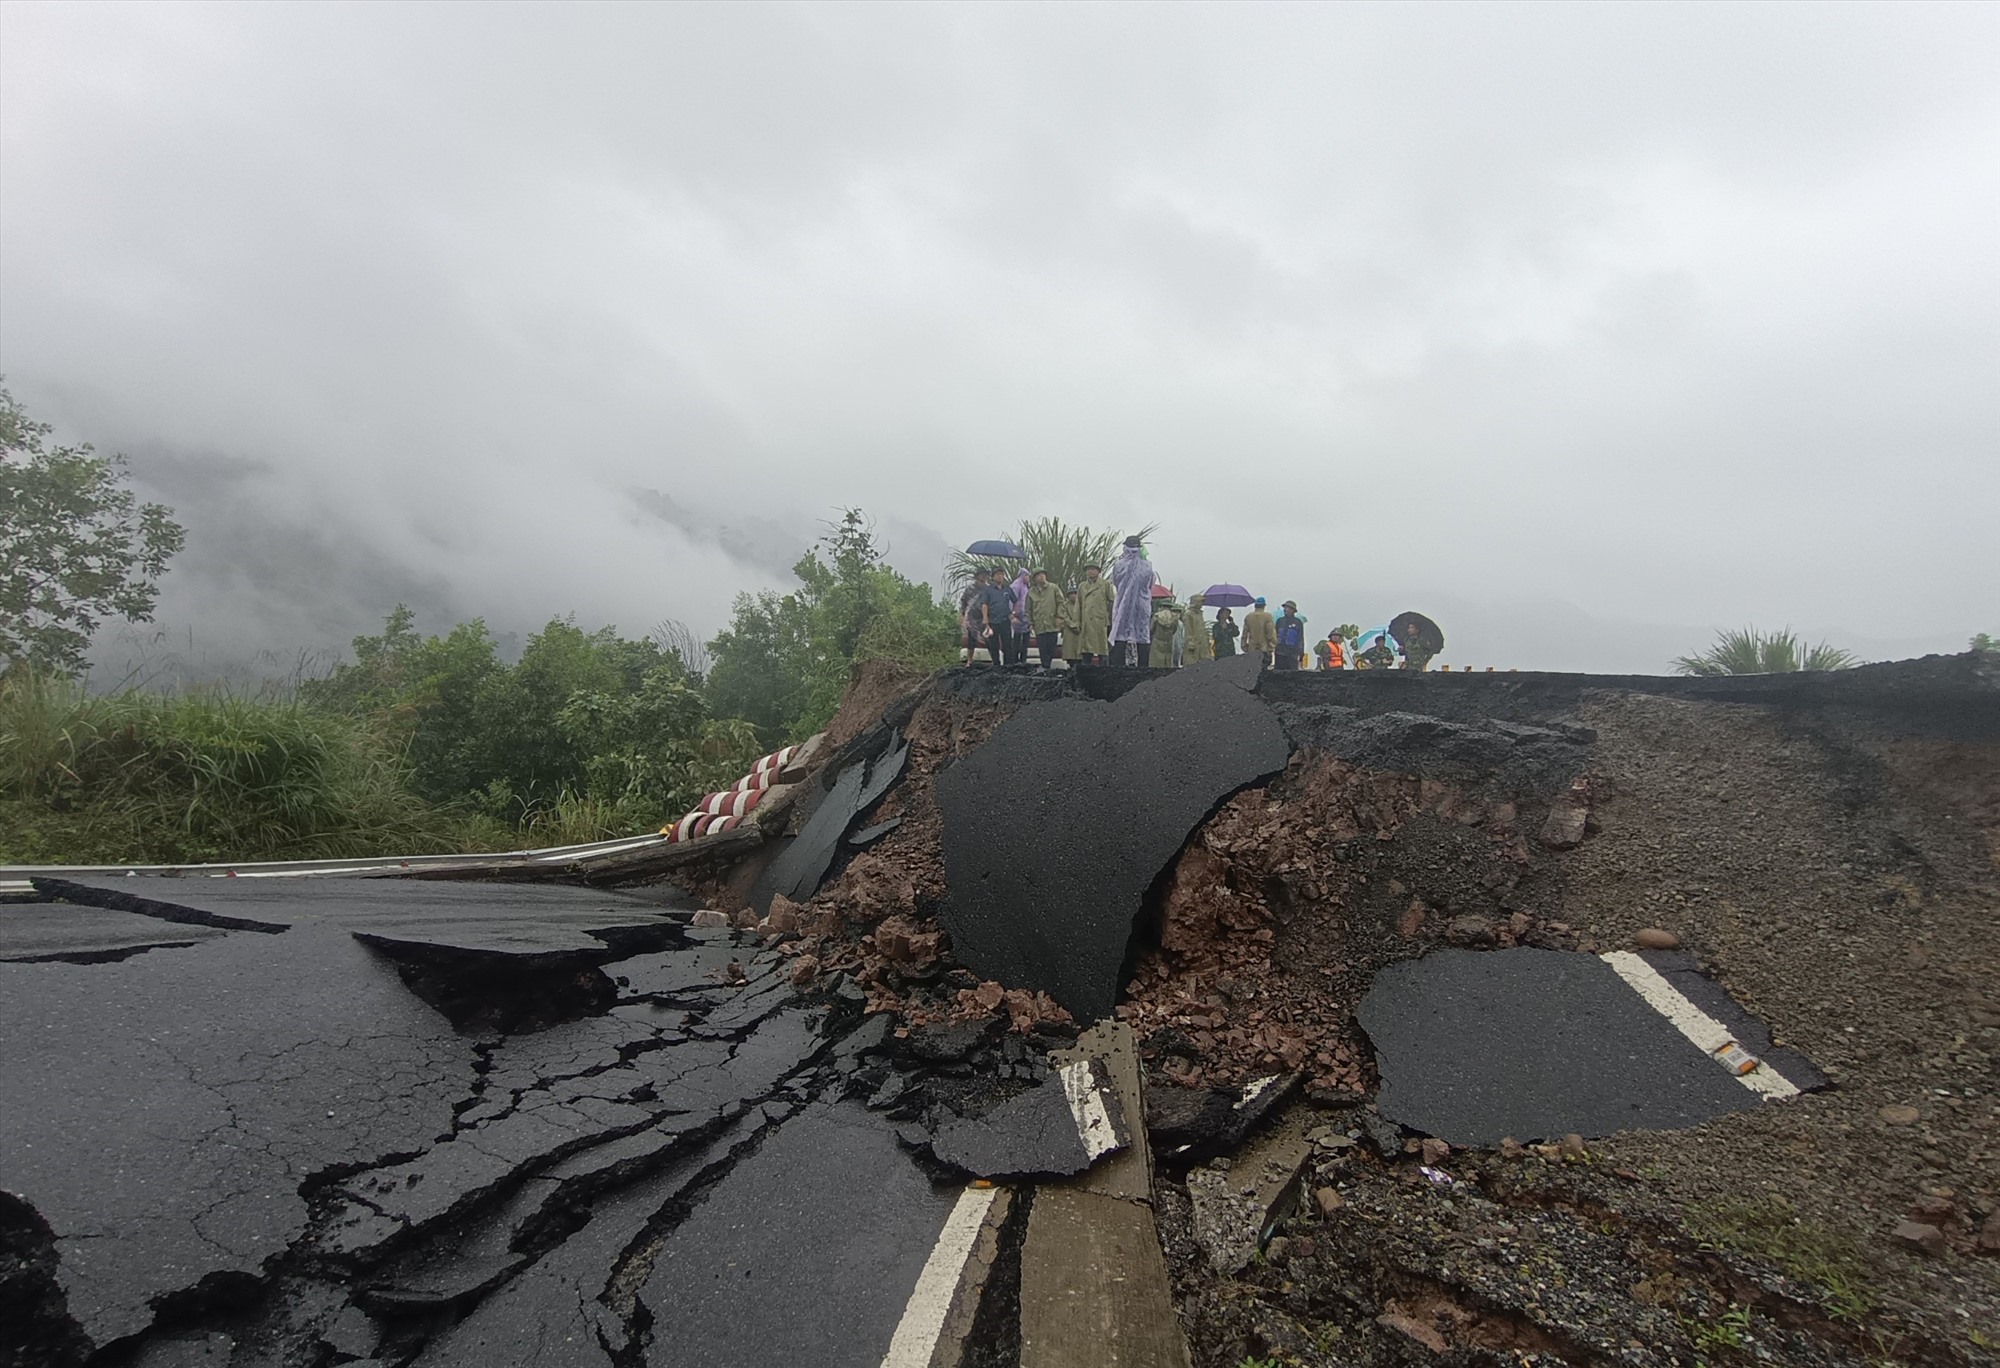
{"x":1984,"y":641}
{"x":1060,"y":548}
{"x":76,"y":546}
{"x":1749,"y":651}
{"x":783,"y":661}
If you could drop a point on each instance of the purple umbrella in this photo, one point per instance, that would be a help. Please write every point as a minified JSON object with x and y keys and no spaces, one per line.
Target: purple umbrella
{"x":1227,"y":596}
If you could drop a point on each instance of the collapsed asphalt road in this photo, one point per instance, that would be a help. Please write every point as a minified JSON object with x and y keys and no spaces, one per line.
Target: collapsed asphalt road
{"x":1407,"y":1091}
{"x":275,"y":1135}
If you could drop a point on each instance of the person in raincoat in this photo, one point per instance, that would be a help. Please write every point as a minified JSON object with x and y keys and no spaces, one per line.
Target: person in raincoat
{"x":1199,"y":646}
{"x":1017,"y":622}
{"x":1133,"y":579}
{"x":1223,"y":635}
{"x":1046,"y":611}
{"x":1095,"y":600}
{"x":1260,"y":632}
{"x":1166,"y":627}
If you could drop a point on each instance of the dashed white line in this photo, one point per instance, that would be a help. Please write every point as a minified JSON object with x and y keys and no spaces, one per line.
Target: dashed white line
{"x":917,"y":1333}
{"x":1707,"y":1034}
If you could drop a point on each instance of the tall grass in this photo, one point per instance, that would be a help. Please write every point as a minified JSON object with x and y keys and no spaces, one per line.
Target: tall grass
{"x":204,"y":776}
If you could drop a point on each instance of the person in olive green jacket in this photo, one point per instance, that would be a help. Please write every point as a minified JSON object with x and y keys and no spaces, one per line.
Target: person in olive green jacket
{"x":1095,"y":599}
{"x":1166,"y":621}
{"x":1046,"y":611}
{"x":1199,"y":647}
{"x":1260,"y":632}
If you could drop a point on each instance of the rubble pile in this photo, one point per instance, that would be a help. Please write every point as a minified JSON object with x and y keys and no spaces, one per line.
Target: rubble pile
{"x":1289,"y":899}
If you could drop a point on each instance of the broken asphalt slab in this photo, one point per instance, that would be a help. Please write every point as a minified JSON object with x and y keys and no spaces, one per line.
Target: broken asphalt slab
{"x":1057,"y":826}
{"x":1058,"y":1128}
{"x":31,"y":932}
{"x":1474,"y":1047}
{"x":511,"y":919}
{"x":797,"y":871}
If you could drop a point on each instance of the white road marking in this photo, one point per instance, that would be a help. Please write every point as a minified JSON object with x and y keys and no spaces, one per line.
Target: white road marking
{"x":1708,"y":1034}
{"x":1086,"y":1104}
{"x":917,"y":1333}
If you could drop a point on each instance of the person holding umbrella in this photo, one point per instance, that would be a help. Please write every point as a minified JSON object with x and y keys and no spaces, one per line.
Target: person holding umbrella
{"x":1223,"y":635}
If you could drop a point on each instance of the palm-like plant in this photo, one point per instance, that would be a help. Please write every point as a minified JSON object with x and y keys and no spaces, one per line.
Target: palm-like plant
{"x":1060,"y":548}
{"x":1749,"y":651}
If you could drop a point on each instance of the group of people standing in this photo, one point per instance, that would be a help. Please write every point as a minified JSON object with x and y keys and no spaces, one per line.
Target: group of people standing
{"x":1118,"y":620}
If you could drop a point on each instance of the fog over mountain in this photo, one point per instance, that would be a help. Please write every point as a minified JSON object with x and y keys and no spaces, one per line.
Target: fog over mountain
{"x":1587,"y":329}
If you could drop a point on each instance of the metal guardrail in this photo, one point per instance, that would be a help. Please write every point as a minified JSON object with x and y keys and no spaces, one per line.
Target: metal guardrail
{"x":274,"y":869}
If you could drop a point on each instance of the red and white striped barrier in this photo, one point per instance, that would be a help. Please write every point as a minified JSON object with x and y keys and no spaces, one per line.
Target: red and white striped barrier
{"x":735,"y":802}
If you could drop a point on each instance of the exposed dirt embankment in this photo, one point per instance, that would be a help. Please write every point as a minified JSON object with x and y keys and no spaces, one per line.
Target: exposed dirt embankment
{"x":1828,"y":848}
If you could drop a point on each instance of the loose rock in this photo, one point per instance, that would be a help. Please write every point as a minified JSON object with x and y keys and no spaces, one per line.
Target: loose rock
{"x":1899,"y":1115}
{"x":1655,"y":938}
{"x":1924,"y":1239}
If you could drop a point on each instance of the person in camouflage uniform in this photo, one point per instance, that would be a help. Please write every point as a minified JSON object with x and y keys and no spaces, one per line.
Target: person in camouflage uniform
{"x":1378,"y":656}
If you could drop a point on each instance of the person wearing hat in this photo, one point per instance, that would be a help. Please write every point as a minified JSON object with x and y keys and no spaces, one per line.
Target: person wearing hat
{"x":1291,"y":632}
{"x":1332,"y":652}
{"x":1046,"y":611}
{"x":1133,"y":578}
{"x":1095,"y":599}
{"x":1378,"y":656}
{"x":1166,"y":624}
{"x":1222,"y":636}
{"x":1260,"y":632}
{"x":1200,"y":646}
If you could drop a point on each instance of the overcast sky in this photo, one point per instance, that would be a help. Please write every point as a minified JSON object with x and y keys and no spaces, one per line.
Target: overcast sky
{"x":1623,"y":322}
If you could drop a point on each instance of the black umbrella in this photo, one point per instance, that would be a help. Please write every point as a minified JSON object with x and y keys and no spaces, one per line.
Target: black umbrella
{"x":1414,"y":630}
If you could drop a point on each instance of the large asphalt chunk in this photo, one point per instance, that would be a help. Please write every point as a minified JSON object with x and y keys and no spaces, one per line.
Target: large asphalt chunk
{"x":1476,"y":1046}
{"x":798,"y":871}
{"x":490,"y":918}
{"x":1057,"y":826}
{"x":161,"y":1112}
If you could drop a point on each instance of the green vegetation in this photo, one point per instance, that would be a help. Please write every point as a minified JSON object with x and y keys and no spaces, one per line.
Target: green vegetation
{"x":139,"y":777}
{"x":784,"y":659}
{"x":1984,"y":641}
{"x":1060,"y":548}
{"x":589,"y":735}
{"x":1749,"y":651}
{"x":1729,"y":1331}
{"x":433,"y":743}
{"x":1770,"y":1229}
{"x":75,"y":546}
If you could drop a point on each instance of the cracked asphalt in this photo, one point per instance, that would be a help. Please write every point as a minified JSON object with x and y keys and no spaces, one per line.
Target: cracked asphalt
{"x":253,"y":1146}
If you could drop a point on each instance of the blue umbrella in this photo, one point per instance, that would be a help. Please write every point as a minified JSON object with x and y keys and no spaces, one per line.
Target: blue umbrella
{"x":1227,"y":596}
{"x":1367,"y":638}
{"x":1005,"y":550}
